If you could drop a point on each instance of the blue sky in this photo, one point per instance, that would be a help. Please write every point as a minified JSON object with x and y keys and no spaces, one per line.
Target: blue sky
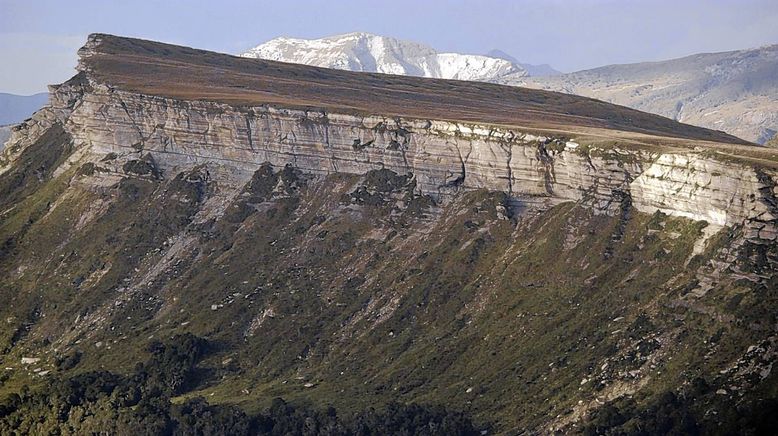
{"x":38,"y":39}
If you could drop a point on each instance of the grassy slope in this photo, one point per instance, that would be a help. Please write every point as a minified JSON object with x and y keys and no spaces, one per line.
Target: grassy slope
{"x":184,"y":73}
{"x":368,"y":292}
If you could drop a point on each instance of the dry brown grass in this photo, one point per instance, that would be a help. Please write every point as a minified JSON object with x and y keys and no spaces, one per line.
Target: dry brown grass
{"x":189,"y":74}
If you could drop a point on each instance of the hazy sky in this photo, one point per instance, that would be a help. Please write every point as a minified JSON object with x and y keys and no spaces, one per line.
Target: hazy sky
{"x":38,"y":39}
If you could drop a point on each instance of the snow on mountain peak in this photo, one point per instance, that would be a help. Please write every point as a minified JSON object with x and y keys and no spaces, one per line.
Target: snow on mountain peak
{"x":380,"y":54}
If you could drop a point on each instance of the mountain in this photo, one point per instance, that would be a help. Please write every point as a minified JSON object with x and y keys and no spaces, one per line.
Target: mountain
{"x":197,"y":243}
{"x":380,"y":54}
{"x":736,"y":91}
{"x":16,"y":108}
{"x":532,"y":70}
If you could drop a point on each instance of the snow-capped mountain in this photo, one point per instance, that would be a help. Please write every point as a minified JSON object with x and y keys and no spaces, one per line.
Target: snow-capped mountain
{"x":381,"y":54}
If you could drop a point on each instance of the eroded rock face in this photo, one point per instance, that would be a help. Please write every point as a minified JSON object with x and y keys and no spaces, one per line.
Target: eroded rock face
{"x":706,"y":189}
{"x":442,"y":156}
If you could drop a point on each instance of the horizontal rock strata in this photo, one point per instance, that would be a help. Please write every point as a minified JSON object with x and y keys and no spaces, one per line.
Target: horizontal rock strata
{"x":443,"y":156}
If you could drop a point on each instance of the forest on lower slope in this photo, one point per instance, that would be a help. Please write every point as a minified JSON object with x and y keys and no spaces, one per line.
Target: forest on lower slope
{"x":103,"y":402}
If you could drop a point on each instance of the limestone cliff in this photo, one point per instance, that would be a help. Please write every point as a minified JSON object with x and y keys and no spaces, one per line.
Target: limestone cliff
{"x":704,"y":183}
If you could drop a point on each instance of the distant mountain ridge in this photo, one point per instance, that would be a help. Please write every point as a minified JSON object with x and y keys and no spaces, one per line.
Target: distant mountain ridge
{"x":16,"y":108}
{"x":532,"y":69}
{"x":380,"y":54}
{"x":735,"y":91}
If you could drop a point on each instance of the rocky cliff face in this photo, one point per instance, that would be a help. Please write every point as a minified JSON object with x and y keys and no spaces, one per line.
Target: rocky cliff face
{"x":443,"y":156}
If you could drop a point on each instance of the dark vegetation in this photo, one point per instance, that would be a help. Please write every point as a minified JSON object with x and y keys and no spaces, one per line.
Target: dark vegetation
{"x":35,"y":165}
{"x":357,"y":292}
{"x":671,"y":414}
{"x":140,"y":403}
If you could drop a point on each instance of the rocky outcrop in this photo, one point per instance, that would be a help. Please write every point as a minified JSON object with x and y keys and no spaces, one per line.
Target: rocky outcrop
{"x":443,"y":156}
{"x":703,"y":188}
